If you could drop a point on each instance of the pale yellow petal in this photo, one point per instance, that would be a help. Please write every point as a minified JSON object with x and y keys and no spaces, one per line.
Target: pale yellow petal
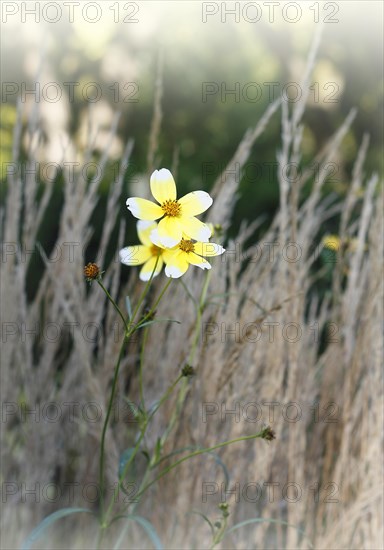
{"x":155,"y":239}
{"x":144,"y":230}
{"x":177,"y":265}
{"x":163,"y":185}
{"x":169,"y":231}
{"x":195,"y":203}
{"x":143,"y":209}
{"x":194,"y":259}
{"x":149,"y":266}
{"x":195,"y":229}
{"x":169,"y":252}
{"x":134,"y":255}
{"x":208,"y":249}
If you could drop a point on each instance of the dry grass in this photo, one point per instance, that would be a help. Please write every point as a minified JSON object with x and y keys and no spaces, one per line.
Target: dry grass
{"x":342,"y":456}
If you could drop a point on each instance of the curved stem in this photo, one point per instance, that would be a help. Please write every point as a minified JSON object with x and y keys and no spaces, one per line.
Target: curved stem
{"x":114,"y":305}
{"x":197,"y":453}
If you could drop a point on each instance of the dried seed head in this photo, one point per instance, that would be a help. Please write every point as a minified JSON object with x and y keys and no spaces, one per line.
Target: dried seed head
{"x":91,"y":272}
{"x":188,"y":370}
{"x":268,"y":434}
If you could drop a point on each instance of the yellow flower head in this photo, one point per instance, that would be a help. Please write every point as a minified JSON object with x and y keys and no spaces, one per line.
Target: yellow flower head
{"x":145,"y":253}
{"x":332,"y":242}
{"x":177,"y":215}
{"x":186,"y":253}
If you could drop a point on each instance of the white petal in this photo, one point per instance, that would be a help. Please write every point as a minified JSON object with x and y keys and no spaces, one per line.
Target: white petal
{"x":208,"y":249}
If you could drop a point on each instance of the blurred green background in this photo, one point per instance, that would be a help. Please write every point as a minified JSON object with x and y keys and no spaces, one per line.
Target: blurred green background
{"x":121,"y":56}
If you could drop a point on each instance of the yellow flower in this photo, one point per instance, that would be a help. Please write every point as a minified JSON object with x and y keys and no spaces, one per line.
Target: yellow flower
{"x":332,"y":242}
{"x":177,"y":215}
{"x":179,"y":258}
{"x":146,"y":253}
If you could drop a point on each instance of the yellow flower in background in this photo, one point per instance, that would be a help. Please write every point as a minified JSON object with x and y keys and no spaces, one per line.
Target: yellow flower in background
{"x":186,"y":253}
{"x":177,"y":215}
{"x":332,"y":242}
{"x":146,"y":253}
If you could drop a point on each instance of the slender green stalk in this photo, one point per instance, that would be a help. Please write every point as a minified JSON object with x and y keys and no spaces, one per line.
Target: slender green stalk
{"x":153,"y":308}
{"x":165,"y":396}
{"x":185,"y":386}
{"x":130,"y":329}
{"x":102,"y":454}
{"x":114,"y":305}
{"x":197,"y":453}
{"x":171,"y":467}
{"x":145,"y":292}
{"x":137,"y":446}
{"x":188,"y":291}
{"x":219,"y":535}
{"x":141,"y":389}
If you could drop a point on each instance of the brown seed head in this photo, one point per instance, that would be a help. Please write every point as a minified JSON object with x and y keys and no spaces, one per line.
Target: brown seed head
{"x":91,"y":271}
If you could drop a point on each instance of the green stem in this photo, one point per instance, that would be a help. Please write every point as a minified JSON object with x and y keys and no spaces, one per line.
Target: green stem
{"x":155,"y":304}
{"x":113,"y":391}
{"x":188,"y":291}
{"x":137,"y":446}
{"x":197,"y":453}
{"x":218,"y":537}
{"x":141,"y":389}
{"x":165,"y":397}
{"x":114,"y":305}
{"x":130,"y":330}
{"x":185,"y":386}
{"x":200,"y":311}
{"x":145,"y":292}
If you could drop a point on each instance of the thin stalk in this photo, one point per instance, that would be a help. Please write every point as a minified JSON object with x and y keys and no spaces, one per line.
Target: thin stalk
{"x":141,"y":389}
{"x":128,"y":334}
{"x":131,"y":458}
{"x":197,"y":453}
{"x":114,"y":305}
{"x":185,"y":387}
{"x":145,"y":292}
{"x":113,"y":391}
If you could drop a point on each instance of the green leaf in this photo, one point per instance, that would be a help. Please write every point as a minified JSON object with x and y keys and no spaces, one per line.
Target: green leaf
{"x":266,"y":520}
{"x":136,"y":409}
{"x":146,"y":454}
{"x":223,"y":466}
{"x":38,"y":531}
{"x":147,"y":526}
{"x":124,"y":459}
{"x":158,"y":449}
{"x":128,"y":306}
{"x":158,"y":321}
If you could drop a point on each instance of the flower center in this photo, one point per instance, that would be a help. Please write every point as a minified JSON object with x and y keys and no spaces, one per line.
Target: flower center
{"x":171,"y":208}
{"x":186,"y":246}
